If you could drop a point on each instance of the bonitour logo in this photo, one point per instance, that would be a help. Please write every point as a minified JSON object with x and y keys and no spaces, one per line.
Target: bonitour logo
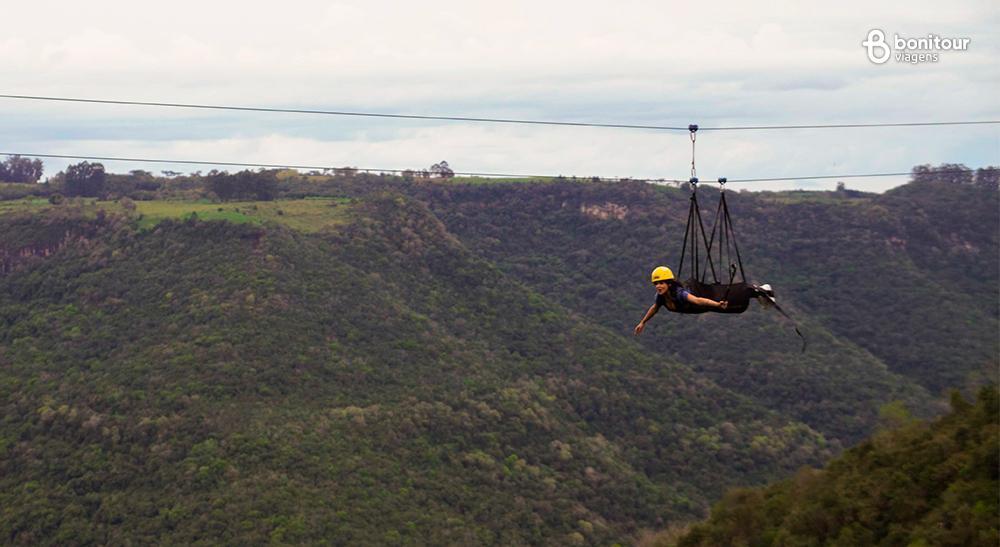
{"x":910,"y":50}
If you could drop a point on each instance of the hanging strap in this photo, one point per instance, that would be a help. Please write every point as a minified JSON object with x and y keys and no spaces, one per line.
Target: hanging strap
{"x":723,"y":226}
{"x":692,"y":212}
{"x":687,"y":231}
{"x":695,"y":226}
{"x":708,"y":248}
{"x":716,"y":223}
{"x":730,"y":230}
{"x":794,"y":324}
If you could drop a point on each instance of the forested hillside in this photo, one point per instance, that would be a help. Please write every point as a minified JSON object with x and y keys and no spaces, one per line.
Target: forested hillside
{"x":924,"y":484}
{"x":433,"y":362}
{"x":378,"y":383}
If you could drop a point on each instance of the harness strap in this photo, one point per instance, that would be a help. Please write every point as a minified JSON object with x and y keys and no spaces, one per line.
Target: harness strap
{"x":732,"y":234}
{"x":716,"y":223}
{"x":687,"y":230}
{"x":708,"y":249}
{"x":794,"y":324}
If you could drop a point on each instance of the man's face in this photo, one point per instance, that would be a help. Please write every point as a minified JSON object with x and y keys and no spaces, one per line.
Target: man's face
{"x":661,"y":287}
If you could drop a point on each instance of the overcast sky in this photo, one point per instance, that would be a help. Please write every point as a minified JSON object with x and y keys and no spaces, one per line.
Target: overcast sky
{"x":631,"y":62}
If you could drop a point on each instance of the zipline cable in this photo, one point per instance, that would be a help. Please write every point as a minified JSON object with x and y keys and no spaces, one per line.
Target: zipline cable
{"x":490,"y":120}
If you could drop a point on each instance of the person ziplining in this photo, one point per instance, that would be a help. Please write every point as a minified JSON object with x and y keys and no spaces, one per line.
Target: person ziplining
{"x":673,"y":296}
{"x":698,"y":294}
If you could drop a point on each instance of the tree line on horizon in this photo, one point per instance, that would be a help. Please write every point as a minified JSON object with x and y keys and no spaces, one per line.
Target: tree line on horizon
{"x":91,"y":179}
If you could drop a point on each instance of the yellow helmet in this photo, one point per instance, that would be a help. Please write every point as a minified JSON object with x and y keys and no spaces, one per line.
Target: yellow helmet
{"x":662,"y":273}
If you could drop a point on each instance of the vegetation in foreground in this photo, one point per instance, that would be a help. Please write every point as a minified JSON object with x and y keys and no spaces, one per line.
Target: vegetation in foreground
{"x":921,"y":485}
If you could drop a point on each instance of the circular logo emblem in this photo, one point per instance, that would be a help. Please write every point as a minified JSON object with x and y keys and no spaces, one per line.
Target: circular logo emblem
{"x":878,"y":49}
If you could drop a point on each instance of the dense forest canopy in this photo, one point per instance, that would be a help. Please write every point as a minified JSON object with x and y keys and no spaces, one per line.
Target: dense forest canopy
{"x":923,"y":484}
{"x":271,"y":356}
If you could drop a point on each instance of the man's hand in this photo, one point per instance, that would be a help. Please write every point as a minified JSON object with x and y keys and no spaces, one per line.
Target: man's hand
{"x":639,"y":328}
{"x":723,"y":304}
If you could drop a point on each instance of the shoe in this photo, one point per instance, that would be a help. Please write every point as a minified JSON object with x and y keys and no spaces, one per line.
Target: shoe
{"x":765,"y":295}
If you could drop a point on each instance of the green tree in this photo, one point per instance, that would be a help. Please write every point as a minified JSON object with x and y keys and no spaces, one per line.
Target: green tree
{"x":244,"y":184}
{"x":85,"y":179}
{"x":442,"y":170}
{"x":20,"y":169}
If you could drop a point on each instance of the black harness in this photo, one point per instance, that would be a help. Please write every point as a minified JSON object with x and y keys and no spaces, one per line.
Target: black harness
{"x":721,"y":242}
